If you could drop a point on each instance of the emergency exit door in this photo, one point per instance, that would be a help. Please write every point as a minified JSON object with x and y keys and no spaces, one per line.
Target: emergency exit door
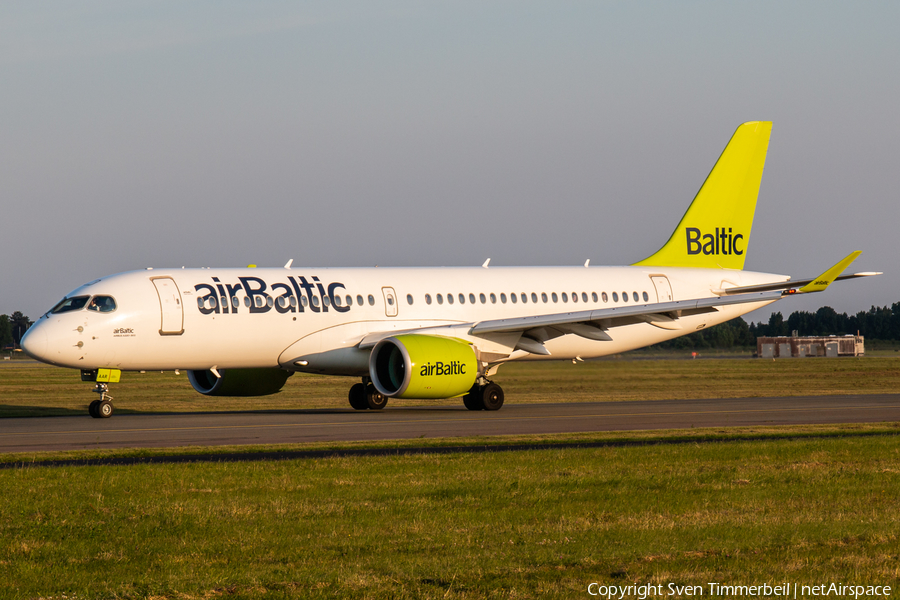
{"x":390,"y":301}
{"x":172,"y":319}
{"x":663,"y":288}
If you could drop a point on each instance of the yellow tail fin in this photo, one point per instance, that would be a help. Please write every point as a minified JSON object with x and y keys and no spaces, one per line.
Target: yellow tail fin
{"x":715,"y":230}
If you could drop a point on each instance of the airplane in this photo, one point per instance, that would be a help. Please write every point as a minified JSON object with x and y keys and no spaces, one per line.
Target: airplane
{"x":435,"y":332}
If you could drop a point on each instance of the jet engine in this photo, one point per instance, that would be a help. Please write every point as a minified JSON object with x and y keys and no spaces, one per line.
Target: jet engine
{"x":239,"y":382}
{"x":422,"y":366}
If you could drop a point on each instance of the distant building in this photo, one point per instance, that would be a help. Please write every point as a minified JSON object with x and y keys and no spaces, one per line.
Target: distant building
{"x":799,"y":347}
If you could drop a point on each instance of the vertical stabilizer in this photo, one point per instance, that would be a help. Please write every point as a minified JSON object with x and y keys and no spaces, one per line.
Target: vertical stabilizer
{"x":715,"y":230}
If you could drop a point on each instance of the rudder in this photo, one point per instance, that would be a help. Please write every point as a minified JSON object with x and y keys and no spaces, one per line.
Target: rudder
{"x":715,"y":230}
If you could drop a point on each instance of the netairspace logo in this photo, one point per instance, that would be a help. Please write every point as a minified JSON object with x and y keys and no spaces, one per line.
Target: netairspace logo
{"x":720,"y":590}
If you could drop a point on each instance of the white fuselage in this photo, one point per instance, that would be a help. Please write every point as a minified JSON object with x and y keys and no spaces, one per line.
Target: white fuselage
{"x":308,"y":319}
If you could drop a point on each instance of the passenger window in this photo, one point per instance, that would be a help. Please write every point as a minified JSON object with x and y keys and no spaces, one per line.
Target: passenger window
{"x":236,"y":303}
{"x":565,"y":297}
{"x":534,"y":297}
{"x":390,"y":300}
{"x":503,"y":297}
{"x":624,"y":296}
{"x":493,"y":298}
{"x":471,"y":298}
{"x":634,"y":296}
{"x":646,"y":297}
{"x":270,"y":303}
{"x":282,"y":303}
{"x":544,"y":297}
{"x":480,"y":297}
{"x":615,"y":297}
{"x":409,"y":299}
{"x":514,"y":298}
{"x":349,"y":300}
{"x":371,"y":300}
{"x":337,"y":300}
{"x":440,"y":299}
{"x":554,"y":297}
{"x":247,"y":301}
{"x":359,"y":299}
{"x":584,"y":296}
{"x":605,"y":297}
{"x":427,"y":298}
{"x":200,"y":303}
{"x":462,"y":298}
{"x":303,"y":301}
{"x":525,"y":298}
{"x":293,"y":301}
{"x":574,"y":296}
{"x":449,"y":298}
{"x":315,"y":300}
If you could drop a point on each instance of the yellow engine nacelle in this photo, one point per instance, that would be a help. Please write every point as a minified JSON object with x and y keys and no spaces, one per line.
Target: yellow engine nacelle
{"x":422,"y":366}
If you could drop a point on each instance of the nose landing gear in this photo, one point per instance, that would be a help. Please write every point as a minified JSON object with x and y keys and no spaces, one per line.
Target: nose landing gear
{"x":103,"y":407}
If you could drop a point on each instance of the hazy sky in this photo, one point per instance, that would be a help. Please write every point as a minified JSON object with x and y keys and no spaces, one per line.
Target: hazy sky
{"x":437,"y":133}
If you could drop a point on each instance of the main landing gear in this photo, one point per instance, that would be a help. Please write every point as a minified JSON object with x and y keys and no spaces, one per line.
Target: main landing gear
{"x":364,"y":396}
{"x":102,"y":408}
{"x":484,"y":395}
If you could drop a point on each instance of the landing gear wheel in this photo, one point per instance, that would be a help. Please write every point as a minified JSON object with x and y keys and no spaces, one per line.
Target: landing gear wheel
{"x":104,"y":409}
{"x":492,"y":396}
{"x":472,"y":400}
{"x":358,"y":398}
{"x":375,"y":400}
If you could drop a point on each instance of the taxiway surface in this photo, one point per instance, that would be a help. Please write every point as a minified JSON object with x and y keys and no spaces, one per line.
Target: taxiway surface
{"x":397,"y":422}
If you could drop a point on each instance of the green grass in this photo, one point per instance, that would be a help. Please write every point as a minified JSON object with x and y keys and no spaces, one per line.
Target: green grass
{"x":32,"y":389}
{"x":535,"y":524}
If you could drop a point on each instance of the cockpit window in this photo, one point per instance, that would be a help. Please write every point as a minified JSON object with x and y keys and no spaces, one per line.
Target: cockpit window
{"x":69,"y":304}
{"x":102,"y":304}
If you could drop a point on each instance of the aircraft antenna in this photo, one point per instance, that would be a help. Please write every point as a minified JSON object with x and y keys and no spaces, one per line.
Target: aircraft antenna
{"x":289,"y":263}
{"x":486,"y":263}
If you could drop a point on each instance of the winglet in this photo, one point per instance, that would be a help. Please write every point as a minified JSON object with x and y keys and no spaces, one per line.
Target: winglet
{"x":825,"y":279}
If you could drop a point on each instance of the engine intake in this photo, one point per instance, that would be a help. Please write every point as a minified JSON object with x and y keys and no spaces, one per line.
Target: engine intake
{"x":422,"y":366}
{"x":239,"y":382}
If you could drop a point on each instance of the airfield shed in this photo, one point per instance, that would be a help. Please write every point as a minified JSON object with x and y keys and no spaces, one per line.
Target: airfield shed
{"x":800,"y":347}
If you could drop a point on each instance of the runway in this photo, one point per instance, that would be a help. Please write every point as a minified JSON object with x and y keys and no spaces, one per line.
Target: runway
{"x":397,"y":422}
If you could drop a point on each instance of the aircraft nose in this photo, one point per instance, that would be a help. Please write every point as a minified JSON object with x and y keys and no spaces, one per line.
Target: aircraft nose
{"x":35,"y":342}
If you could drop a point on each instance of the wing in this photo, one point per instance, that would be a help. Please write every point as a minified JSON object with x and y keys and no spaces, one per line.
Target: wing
{"x":530,"y":333}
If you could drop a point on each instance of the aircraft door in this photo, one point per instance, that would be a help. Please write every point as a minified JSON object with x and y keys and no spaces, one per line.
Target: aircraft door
{"x":390,"y":301}
{"x":663,"y":288}
{"x":170,"y":306}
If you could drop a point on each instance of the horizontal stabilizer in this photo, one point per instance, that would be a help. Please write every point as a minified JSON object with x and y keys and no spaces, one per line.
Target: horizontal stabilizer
{"x":786,"y":285}
{"x":827,"y":278}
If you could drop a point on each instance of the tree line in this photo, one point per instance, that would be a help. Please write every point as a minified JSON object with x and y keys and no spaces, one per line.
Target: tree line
{"x":12,"y":328}
{"x":881,"y":323}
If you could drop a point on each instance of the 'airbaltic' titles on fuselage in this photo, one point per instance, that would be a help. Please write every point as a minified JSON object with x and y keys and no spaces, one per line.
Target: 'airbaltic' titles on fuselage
{"x":439,"y":368}
{"x":296,"y":295}
{"x":722,"y":242}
